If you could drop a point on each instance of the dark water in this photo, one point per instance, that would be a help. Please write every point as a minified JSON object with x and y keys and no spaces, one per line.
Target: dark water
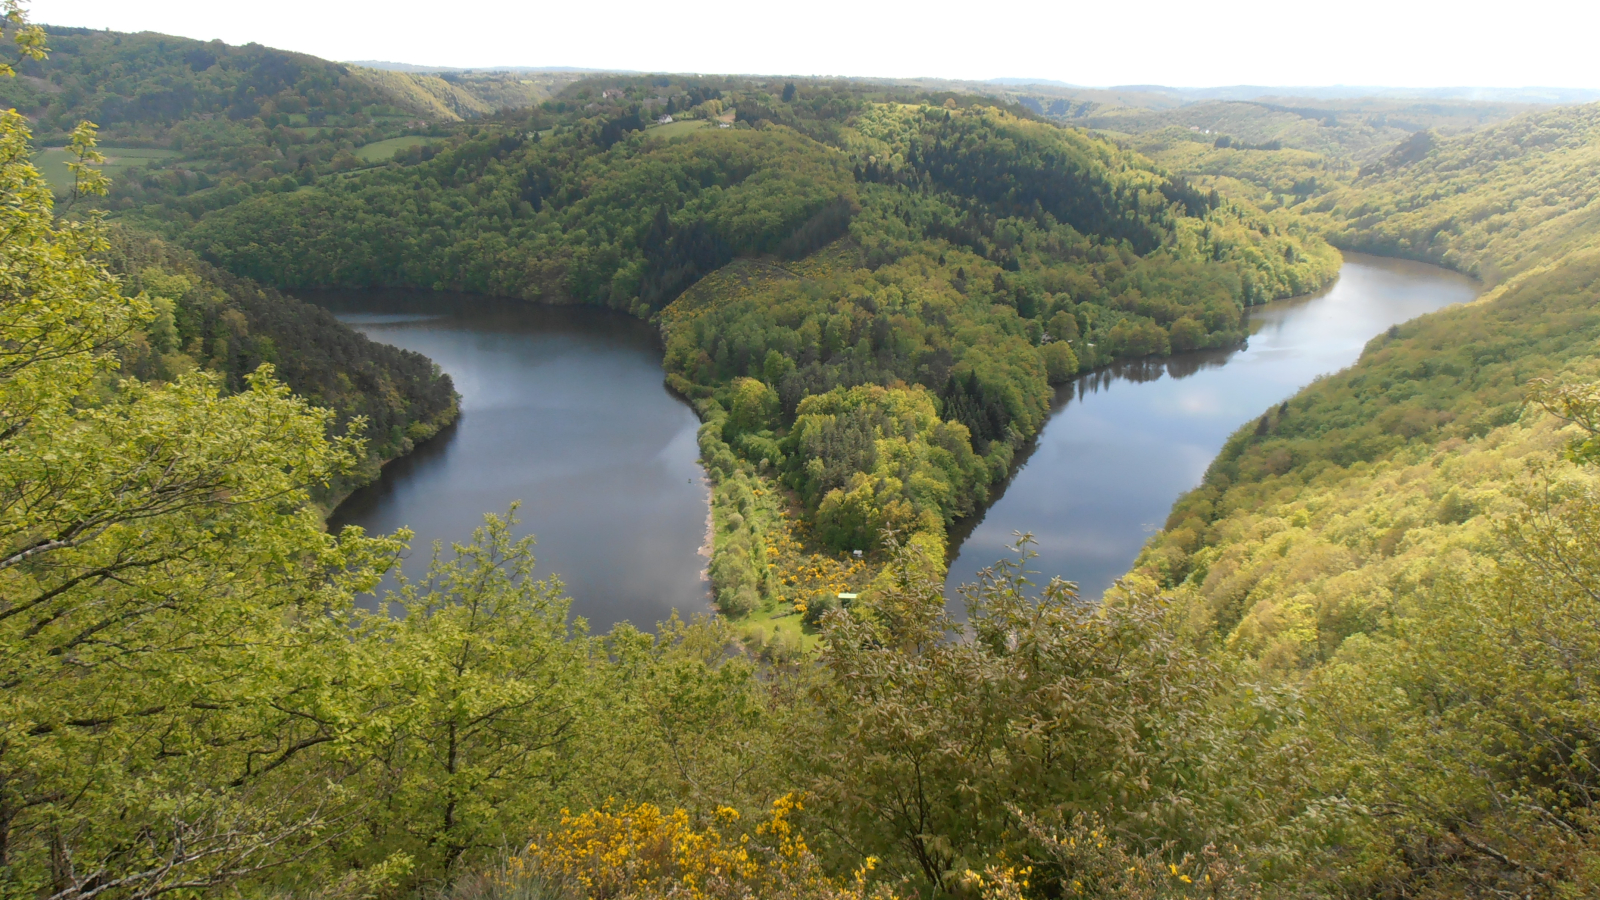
{"x":1123,"y":443}
{"x":565,"y":410}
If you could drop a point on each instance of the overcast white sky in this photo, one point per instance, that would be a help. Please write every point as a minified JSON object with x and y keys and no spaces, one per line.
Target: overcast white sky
{"x":1192,"y":43}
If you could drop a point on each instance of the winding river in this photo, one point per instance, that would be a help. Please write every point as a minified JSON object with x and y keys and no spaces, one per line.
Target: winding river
{"x":1123,"y":442}
{"x":564,"y":409}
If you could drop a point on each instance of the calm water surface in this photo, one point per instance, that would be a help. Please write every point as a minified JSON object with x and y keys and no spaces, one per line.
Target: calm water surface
{"x":1122,"y":443}
{"x":565,"y":410}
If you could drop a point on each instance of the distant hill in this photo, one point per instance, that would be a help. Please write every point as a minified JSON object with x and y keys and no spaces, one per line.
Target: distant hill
{"x":157,"y":89}
{"x":1532,"y":94}
{"x":388,"y":66}
{"x":1354,"y":124}
{"x":1360,"y":129}
{"x":143,"y":86}
{"x":455,"y":94}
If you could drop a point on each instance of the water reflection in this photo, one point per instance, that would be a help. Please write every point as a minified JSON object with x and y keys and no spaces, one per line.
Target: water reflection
{"x":1123,"y":442}
{"x":564,"y":409}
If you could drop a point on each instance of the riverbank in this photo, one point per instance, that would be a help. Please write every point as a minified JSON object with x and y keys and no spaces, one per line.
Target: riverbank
{"x":1122,"y":443}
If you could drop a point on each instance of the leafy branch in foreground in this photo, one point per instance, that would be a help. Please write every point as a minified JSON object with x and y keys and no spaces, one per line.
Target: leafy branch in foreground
{"x":171,"y":609}
{"x":1578,"y":404}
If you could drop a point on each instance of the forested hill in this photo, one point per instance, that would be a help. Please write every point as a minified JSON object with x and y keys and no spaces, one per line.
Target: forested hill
{"x":1494,"y":203}
{"x":1520,"y":201}
{"x":953,"y":257}
{"x":1410,"y":542}
{"x":209,"y":320}
{"x":178,"y":117}
{"x":1351,"y":131}
{"x":164,"y":90}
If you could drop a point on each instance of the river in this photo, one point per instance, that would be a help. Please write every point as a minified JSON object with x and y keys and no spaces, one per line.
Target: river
{"x":564,"y":409}
{"x":1122,"y":443}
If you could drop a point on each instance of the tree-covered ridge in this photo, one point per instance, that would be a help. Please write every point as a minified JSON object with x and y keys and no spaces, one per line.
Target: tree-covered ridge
{"x":605,"y":146}
{"x":975,"y":255}
{"x":1490,"y":202}
{"x":1495,"y":202}
{"x":213,"y":321}
{"x":450,"y":96}
{"x":224,"y":118}
{"x":583,"y":215}
{"x":1002,"y":167}
{"x":1347,"y":131}
{"x":157,"y":88}
{"x":1409,"y":543}
{"x":1350,"y":496}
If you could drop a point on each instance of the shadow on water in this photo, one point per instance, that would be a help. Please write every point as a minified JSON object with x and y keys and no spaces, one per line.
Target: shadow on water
{"x":364,"y":502}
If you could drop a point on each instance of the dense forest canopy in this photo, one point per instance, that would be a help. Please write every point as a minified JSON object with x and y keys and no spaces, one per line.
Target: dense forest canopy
{"x":1357,"y":662}
{"x":210,"y":320}
{"x":1408,"y":538}
{"x":152,"y":88}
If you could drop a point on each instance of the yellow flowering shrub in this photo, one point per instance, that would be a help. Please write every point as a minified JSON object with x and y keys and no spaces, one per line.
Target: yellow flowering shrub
{"x":643,"y":851}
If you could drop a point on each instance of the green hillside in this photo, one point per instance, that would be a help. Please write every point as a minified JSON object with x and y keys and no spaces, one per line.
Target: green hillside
{"x":962,"y":257}
{"x":179,"y":117}
{"x":1357,"y":130}
{"x":1507,"y":200}
{"x":1358,"y":661}
{"x":212,"y":321}
{"x":453,"y":96}
{"x":172,"y":91}
{"x":1405,"y":540}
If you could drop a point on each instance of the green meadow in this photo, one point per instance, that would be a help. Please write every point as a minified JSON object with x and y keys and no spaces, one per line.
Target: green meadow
{"x":381,"y":151}
{"x":52,"y":162}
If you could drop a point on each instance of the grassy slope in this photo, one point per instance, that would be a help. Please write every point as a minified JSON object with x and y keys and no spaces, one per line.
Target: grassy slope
{"x":427,"y":95}
{"x":381,"y":151}
{"x":52,"y":163}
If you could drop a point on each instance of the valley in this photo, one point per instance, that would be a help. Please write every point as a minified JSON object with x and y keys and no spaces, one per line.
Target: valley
{"x":497,"y":484}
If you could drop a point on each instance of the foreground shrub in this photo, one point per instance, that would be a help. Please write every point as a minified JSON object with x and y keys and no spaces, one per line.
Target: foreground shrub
{"x":641,"y":850}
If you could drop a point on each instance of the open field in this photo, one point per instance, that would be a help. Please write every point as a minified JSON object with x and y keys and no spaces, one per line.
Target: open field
{"x":380,"y":151}
{"x":676,"y":128}
{"x":52,"y":162}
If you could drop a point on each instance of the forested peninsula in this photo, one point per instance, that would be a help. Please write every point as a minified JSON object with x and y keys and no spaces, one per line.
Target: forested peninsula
{"x":1356,"y":662}
{"x":868,"y":303}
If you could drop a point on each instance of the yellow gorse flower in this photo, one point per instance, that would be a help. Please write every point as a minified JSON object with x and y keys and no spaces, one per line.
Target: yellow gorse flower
{"x":642,"y":849}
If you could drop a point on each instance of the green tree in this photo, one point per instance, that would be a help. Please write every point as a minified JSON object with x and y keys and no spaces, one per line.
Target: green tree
{"x":1469,"y":731}
{"x":172,"y":613}
{"x":483,"y":687}
{"x":940,"y":742}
